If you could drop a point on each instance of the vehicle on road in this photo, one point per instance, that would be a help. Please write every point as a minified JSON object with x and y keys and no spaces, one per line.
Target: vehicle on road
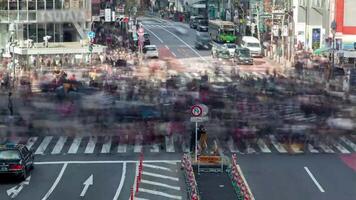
{"x":253,"y":44}
{"x":222,"y":31}
{"x":150,"y":51}
{"x":147,"y":39}
{"x":193,"y":22}
{"x":220,"y":52}
{"x":202,"y":41}
{"x":203,"y":25}
{"x":243,"y":56}
{"x":16,"y":160}
{"x":231,"y":48}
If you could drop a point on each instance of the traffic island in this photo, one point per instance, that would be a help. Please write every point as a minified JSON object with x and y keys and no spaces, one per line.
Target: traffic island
{"x":214,"y":177}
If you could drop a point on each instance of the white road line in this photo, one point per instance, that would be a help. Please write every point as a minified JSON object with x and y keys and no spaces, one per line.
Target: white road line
{"x":31,"y":141}
{"x":160,"y":176}
{"x":277,"y":145}
{"x":166,"y":47}
{"x":169,"y":144}
{"x":121,"y":147}
{"x":160,"y":184}
{"x":325,"y":148}
{"x":262,"y":145}
{"x":59,"y":145}
{"x":138,"y":144}
{"x":312,"y":149}
{"x":122,"y":180}
{"x":173,"y":162}
{"x":154,"y":34}
{"x":191,"y":48}
{"x":91,"y":145}
{"x":154,"y":148}
{"x":157,"y":167}
{"x":75,"y":145}
{"x":349,"y":143}
{"x":160,"y":193}
{"x":244,"y":180}
{"x":55,"y":182}
{"x":44,"y":144}
{"x":314,"y":180}
{"x":140,"y":198}
{"x":173,"y":54}
{"x":341,"y":148}
{"x":107,"y":145}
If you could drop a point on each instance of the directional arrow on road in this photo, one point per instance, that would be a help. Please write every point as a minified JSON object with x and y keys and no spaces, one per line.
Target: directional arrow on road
{"x":14,"y":191}
{"x":86,"y":184}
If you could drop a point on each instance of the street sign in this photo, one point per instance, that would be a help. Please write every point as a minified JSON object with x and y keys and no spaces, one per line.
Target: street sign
{"x":91,"y":35}
{"x":199,"y":119}
{"x":196,"y":111}
{"x":108,"y":15}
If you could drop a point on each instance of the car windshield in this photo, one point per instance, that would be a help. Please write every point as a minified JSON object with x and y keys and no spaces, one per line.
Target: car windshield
{"x":253,"y":44}
{"x":151,"y":48}
{"x":244,"y":53}
{"x":9,"y":155}
{"x":227,"y":32}
{"x":231,"y":46}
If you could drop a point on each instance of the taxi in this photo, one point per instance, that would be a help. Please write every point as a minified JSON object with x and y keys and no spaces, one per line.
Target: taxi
{"x":16,"y":160}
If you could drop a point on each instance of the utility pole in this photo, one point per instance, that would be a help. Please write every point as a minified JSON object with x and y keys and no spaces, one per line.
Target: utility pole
{"x":258,"y":21}
{"x":272,"y":24}
{"x":207,"y":9}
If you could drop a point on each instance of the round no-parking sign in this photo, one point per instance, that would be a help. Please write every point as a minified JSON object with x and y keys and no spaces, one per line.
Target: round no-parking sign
{"x":196,"y":111}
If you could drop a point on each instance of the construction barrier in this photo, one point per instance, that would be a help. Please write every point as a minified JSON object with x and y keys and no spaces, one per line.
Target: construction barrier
{"x":192,"y":190}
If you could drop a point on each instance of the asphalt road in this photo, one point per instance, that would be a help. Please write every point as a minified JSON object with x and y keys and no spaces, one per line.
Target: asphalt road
{"x":287,"y":177}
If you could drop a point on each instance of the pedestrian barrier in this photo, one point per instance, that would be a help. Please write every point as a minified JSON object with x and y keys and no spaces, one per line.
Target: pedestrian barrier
{"x":190,"y":180}
{"x":238,"y":182}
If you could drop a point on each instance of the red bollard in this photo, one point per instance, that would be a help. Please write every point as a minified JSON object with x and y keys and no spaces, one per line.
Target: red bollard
{"x":137,"y":185}
{"x":132,"y":195}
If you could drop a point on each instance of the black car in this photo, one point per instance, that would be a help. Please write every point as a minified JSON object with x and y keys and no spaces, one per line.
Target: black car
{"x":16,"y":160}
{"x":193,"y":23}
{"x":202,"y":25}
{"x":147,"y":39}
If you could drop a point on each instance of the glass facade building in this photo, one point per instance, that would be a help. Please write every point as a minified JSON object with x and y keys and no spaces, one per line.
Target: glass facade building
{"x":63,"y":20}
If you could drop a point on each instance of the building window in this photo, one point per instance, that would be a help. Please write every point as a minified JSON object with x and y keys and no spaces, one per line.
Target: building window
{"x":3,"y":4}
{"x":40,"y":4}
{"x":58,"y":4}
{"x":49,"y":4}
{"x":41,"y":32}
{"x":50,"y":32}
{"x":32,"y":32}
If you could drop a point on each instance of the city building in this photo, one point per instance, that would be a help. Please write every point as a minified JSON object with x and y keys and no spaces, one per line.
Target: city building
{"x":344,"y":14}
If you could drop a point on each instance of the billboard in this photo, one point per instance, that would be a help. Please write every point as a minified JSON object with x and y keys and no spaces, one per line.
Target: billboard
{"x":345,"y":15}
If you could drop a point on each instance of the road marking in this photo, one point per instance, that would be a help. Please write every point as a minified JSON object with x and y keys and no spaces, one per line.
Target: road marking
{"x":86,"y":184}
{"x":232,"y":146}
{"x":121,"y":148}
{"x":185,"y":147}
{"x":75,"y":145}
{"x":173,"y":162}
{"x":244,"y":180}
{"x":173,"y":54}
{"x":325,"y":148}
{"x":31,"y":141}
{"x":55,"y":182}
{"x":122,"y":180}
{"x":154,"y":148}
{"x":44,"y":144}
{"x":157,"y":167}
{"x":59,"y":145}
{"x":348,"y":142}
{"x":139,"y":198}
{"x":160,"y":193}
{"x":262,"y":145}
{"x":160,"y":184}
{"x":277,"y":145}
{"x":312,"y":149}
{"x":154,"y":34}
{"x":91,"y":145}
{"x":169,"y":144}
{"x":191,"y":48}
{"x":107,"y":145}
{"x":14,"y":191}
{"x":166,"y":47}
{"x":138,"y":144}
{"x":160,"y":176}
{"x":314,"y":180}
{"x":341,"y":148}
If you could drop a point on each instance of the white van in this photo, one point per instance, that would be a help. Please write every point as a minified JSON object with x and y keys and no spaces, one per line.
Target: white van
{"x":253,"y":44}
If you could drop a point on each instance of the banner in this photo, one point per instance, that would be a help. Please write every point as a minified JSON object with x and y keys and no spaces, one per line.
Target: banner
{"x":107,"y":15}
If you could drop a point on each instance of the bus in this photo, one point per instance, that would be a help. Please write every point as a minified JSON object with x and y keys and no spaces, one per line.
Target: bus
{"x":222,"y":31}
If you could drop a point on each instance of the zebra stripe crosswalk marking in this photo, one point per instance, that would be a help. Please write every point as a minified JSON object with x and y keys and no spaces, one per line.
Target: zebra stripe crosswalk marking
{"x":107,"y":145}
{"x":262,"y":145}
{"x":277,"y":145}
{"x":340,"y":147}
{"x":44,"y":144}
{"x":91,"y":145}
{"x":75,"y":145}
{"x":349,"y":143}
{"x":169,"y":144}
{"x":59,"y":145}
{"x":31,"y":141}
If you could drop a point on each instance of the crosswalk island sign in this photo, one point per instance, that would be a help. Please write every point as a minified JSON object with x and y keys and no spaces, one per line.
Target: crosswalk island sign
{"x":198,"y":113}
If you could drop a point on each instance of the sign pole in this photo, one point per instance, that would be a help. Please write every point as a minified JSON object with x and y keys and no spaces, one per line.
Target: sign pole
{"x":196,"y":141}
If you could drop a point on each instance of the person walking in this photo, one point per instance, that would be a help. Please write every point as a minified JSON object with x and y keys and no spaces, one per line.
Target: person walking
{"x":203,"y":138}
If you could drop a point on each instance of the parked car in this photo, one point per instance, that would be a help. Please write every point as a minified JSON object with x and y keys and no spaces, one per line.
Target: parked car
{"x":243,"y":56}
{"x":193,"y":23}
{"x":150,"y":51}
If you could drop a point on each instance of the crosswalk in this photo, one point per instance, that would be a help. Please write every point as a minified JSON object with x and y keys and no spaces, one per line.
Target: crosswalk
{"x":61,"y":145}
